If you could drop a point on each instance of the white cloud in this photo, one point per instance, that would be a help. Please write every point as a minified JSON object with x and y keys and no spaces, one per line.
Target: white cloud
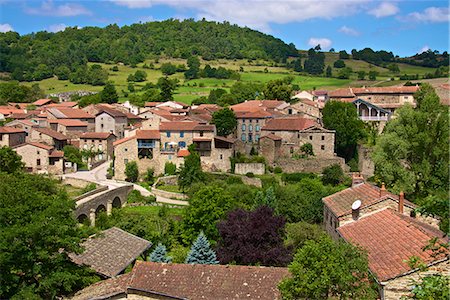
{"x":5,"y":27}
{"x":349,"y":31}
{"x":324,"y":43}
{"x":56,"y":27}
{"x":47,"y":8}
{"x":424,"y":49}
{"x":259,"y":14}
{"x":430,"y":15}
{"x":385,"y":9}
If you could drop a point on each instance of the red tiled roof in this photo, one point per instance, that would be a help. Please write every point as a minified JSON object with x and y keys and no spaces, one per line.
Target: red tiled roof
{"x":35,"y":144}
{"x":289,"y":124}
{"x":151,"y":104}
{"x":390,"y":239}
{"x":353,"y":92}
{"x":341,"y":202}
{"x":183,"y":153}
{"x":224,"y":139}
{"x":131,"y":116}
{"x":56,"y":153}
{"x":197,"y":281}
{"x":66,"y":104}
{"x":105,"y":289}
{"x":253,"y":105}
{"x":201,"y":139}
{"x":22,"y":115}
{"x":70,"y":113}
{"x":7,"y":110}
{"x":110,"y":111}
{"x":184,"y":126}
{"x":52,"y":133}
{"x":41,"y":102}
{"x":256,"y":114}
{"x":272,"y":137}
{"x":148,"y":134}
{"x":10,"y":130}
{"x":69,"y":122}
{"x":118,"y":142}
{"x":96,"y":135}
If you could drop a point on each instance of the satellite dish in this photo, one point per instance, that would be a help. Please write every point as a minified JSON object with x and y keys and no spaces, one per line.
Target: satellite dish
{"x":356,"y":205}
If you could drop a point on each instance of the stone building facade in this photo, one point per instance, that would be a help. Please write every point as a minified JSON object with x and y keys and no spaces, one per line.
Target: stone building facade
{"x":101,"y":142}
{"x":111,"y":121}
{"x":10,"y":136}
{"x":41,"y":158}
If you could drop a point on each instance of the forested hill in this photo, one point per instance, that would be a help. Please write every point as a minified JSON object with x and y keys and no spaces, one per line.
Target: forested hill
{"x":132,"y":44}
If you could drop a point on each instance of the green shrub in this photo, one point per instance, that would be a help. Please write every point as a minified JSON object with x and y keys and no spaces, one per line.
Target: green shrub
{"x":150,"y":176}
{"x":268,"y":181}
{"x":136,"y":197}
{"x":353,"y":164}
{"x":333,"y":175}
{"x":234,"y":180}
{"x":89,"y":187}
{"x":307,"y":149}
{"x":278,"y":170}
{"x":250,"y":175}
{"x":170,"y":168}
{"x":296,"y":177}
{"x":131,"y":171}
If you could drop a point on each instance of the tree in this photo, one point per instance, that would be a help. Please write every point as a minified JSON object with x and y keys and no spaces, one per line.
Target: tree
{"x":297,"y":234}
{"x":373,"y":75}
{"x":168,"y":69}
{"x":201,"y":252}
{"x":109,"y":94}
{"x":170,"y":168}
{"x":394,"y":68}
{"x":268,"y":199}
{"x":343,"y":118}
{"x":206,"y":207}
{"x":166,"y":86}
{"x":344,"y":73}
{"x":252,"y":237}
{"x":225,"y":121}
{"x":140,"y":76}
{"x":278,"y":89}
{"x":326,"y":269}
{"x":333,"y":175}
{"x":194,"y":67}
{"x":62,"y":72}
{"x":73,"y":154}
{"x":131,"y":171}
{"x":38,"y":231}
{"x":307,"y":149}
{"x":432,"y":287}
{"x":10,"y":161}
{"x":339,"y":64}
{"x":343,"y":54}
{"x":191,"y":171}
{"x":361,"y":75}
{"x":159,"y":254}
{"x":329,"y":72}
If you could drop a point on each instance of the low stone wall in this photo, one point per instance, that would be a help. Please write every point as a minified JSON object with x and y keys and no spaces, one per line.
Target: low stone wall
{"x":252,"y":181}
{"x":309,"y":165}
{"x":93,"y":192}
{"x":169,"y":180}
{"x":169,"y":195}
{"x":76,"y":182}
{"x":255,"y":168}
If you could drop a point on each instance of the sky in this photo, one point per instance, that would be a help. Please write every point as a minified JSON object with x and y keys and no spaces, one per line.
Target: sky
{"x":404,"y":27}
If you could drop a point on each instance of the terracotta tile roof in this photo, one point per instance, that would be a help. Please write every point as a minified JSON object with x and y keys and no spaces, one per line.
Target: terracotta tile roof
{"x":105,"y":289}
{"x":209,"y":107}
{"x":272,"y":137}
{"x":19,"y":105}
{"x":66,"y":104}
{"x":203,"y":118}
{"x":386,"y":90}
{"x":69,"y":122}
{"x":184,"y":126}
{"x":52,"y":133}
{"x":309,"y":102}
{"x":341,"y":202}
{"x":148,"y":134}
{"x":96,"y":135}
{"x":131,"y":116}
{"x":194,"y":281}
{"x":183,"y":153}
{"x":35,"y":144}
{"x":319,"y":93}
{"x":10,"y":110}
{"x":111,"y":251}
{"x":225,"y":139}
{"x":253,"y":105}
{"x":341,"y":93}
{"x":23,"y":115}
{"x":41,"y":102}
{"x":56,"y":153}
{"x":126,"y":139}
{"x":10,"y":130}
{"x":70,"y":113}
{"x":110,"y":111}
{"x":151,"y":104}
{"x":201,"y":139}
{"x":289,"y":124}
{"x":256,"y":114}
{"x":390,"y":239}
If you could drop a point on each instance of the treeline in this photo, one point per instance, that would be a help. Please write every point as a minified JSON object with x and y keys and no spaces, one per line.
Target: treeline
{"x":430,"y":58}
{"x":38,"y":55}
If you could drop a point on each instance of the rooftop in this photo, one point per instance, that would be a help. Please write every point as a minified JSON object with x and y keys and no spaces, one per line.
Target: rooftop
{"x":10,"y":130}
{"x":96,"y":135}
{"x":52,"y":133}
{"x":111,"y":251}
{"x":35,"y":144}
{"x":70,"y":113}
{"x":289,"y":124}
{"x":184,"y":126}
{"x":69,"y":122}
{"x":148,"y":134}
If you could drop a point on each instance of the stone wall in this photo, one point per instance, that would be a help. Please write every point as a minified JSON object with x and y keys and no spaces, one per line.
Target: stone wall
{"x":309,"y":165}
{"x":76,"y":182}
{"x":170,"y":195}
{"x":365,"y":162}
{"x":255,"y":168}
{"x":252,"y":181}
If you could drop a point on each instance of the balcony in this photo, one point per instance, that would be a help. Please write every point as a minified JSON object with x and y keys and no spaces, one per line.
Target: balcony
{"x":146,"y":144}
{"x":374,"y":118}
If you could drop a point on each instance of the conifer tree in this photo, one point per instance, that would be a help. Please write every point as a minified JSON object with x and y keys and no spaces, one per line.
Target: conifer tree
{"x":201,"y":252}
{"x":160,"y":254}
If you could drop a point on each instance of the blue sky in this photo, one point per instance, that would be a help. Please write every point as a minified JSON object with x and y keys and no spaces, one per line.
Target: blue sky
{"x":404,"y":27}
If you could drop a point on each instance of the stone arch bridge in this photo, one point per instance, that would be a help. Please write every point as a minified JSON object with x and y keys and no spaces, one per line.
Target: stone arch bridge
{"x":104,"y":198}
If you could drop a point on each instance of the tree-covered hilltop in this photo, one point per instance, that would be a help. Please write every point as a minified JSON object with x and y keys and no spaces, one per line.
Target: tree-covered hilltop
{"x":40,"y":55}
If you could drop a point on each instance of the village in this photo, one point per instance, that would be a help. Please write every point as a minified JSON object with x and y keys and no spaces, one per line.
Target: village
{"x":290,"y":136}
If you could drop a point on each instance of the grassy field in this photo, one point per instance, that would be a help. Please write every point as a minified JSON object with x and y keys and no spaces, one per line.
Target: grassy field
{"x":254,"y":71}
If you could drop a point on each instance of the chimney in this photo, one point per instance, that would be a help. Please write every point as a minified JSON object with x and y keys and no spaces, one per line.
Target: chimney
{"x":383,"y":191}
{"x":357,"y":179}
{"x":401,"y":201}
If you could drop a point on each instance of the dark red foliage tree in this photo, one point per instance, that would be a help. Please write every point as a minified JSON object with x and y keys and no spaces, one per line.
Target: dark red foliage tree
{"x":253,"y":237}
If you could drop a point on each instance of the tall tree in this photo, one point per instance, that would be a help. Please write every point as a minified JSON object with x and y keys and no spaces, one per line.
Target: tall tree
{"x":166,"y":86}
{"x":10,"y":161}
{"x":343,"y":118}
{"x":109,"y":94}
{"x":201,"y":252}
{"x":159,"y":254}
{"x":37,"y":231}
{"x":253,"y":237}
{"x":194,"y":67}
{"x":191,"y":171}
{"x":326,"y":269}
{"x":225,"y":121}
{"x":278,"y":89}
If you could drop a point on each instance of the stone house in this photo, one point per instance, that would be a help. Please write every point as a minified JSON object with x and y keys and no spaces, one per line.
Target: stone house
{"x":391,"y":239}
{"x":71,"y":113}
{"x":48,"y":136}
{"x":296,"y":131}
{"x":41,"y":158}
{"x":11,"y":136}
{"x":149,"y":280}
{"x":112,"y":121}
{"x":68,"y":127}
{"x":303,"y":95}
{"x":370,"y":112}
{"x":25,"y":125}
{"x":42,"y":102}
{"x":308,"y":109}
{"x":98,"y":141}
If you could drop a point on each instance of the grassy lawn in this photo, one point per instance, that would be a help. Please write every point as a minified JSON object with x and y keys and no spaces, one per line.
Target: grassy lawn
{"x":72,"y":191}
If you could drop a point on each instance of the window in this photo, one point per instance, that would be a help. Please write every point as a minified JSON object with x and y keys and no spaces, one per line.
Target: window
{"x":323,"y":137}
{"x":126,"y":149}
{"x":322,"y":147}
{"x":170,"y":157}
{"x":250,"y":120}
{"x":290,"y":111}
{"x":221,"y":156}
{"x":256,"y":137}
{"x":310,"y":137}
{"x":257,"y":121}
{"x":298,"y":135}
{"x":257,"y":128}
{"x":1,"y":137}
{"x":92,"y":141}
{"x":181,"y":134}
{"x":100,"y":156}
{"x":292,"y":150}
{"x":168,"y":133}
{"x":243,"y":137}
{"x":38,"y":161}
{"x":250,"y":137}
{"x":38,"y":152}
{"x":101,"y":125}
{"x":250,"y":127}
{"x":182,"y":144}
{"x":201,"y":133}
{"x":243,"y":127}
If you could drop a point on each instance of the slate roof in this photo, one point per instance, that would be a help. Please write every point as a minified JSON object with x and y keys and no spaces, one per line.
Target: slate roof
{"x":341,"y":202}
{"x":390,"y":239}
{"x":111,"y":251}
{"x":289,"y":124}
{"x":52,"y":133}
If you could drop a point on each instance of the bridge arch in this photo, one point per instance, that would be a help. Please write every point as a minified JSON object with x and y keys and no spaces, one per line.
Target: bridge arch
{"x":117,"y":203}
{"x":82,"y":218}
{"x":100,"y":208}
